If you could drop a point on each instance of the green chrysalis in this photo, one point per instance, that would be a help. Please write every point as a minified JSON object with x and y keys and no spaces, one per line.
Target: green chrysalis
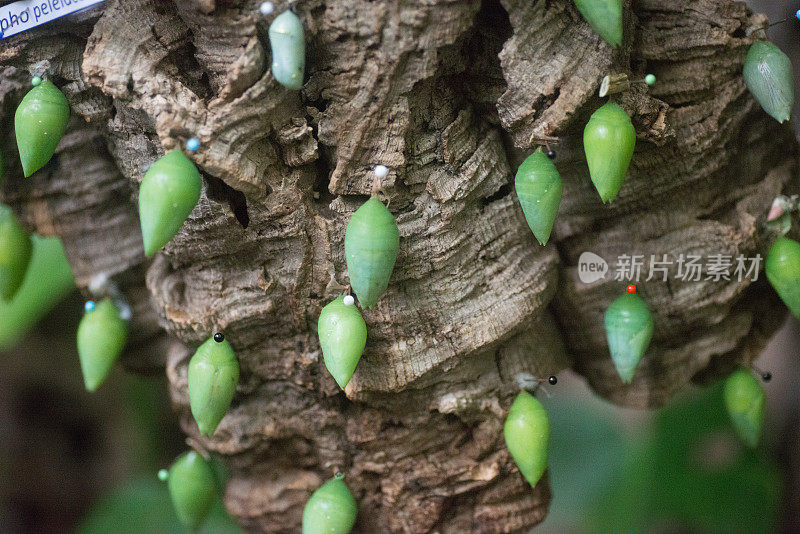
{"x":371,"y":242}
{"x":331,"y":509}
{"x":168,"y":194}
{"x":101,"y":337}
{"x":605,"y":18}
{"x":192,"y":488}
{"x":527,"y":434}
{"x":288,"y":50}
{"x":213,"y":375}
{"x":538,"y":187}
{"x":342,"y":336}
{"x":629,"y":328}
{"x":39,"y":122}
{"x":744,"y":400}
{"x":783,"y":272}
{"x":608,"y":140}
{"x":16,"y":248}
{"x":768,"y":75}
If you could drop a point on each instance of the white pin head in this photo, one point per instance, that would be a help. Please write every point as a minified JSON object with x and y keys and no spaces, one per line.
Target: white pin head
{"x":381,"y":171}
{"x":349,"y":300}
{"x":266,"y":8}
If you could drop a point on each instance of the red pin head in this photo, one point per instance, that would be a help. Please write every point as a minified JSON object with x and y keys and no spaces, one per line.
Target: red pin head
{"x":631,"y":289}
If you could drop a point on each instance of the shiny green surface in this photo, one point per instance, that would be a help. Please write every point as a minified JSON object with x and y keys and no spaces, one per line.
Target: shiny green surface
{"x":287,"y":41}
{"x":538,"y":187}
{"x":213,"y":375}
{"x":629,"y":329}
{"x":192,"y":487}
{"x":101,"y":338}
{"x":527,"y":435}
{"x":744,"y":400}
{"x":39,"y":123}
{"x":783,"y":272}
{"x":608,"y":141}
{"x":371,"y":243}
{"x":168,"y":194}
{"x":768,"y":75}
{"x":605,"y":18}
{"x":342,"y":336}
{"x":16,"y":248}
{"x":330,"y":510}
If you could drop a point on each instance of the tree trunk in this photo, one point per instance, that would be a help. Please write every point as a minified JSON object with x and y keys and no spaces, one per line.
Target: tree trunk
{"x":450,"y":95}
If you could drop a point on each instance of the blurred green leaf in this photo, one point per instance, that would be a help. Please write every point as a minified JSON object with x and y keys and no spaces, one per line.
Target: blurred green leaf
{"x":693,"y":473}
{"x":144,"y":506}
{"x":47,"y":282}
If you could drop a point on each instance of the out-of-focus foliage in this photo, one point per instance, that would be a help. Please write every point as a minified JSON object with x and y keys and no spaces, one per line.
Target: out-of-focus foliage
{"x":683,"y":468}
{"x":143,"y":506}
{"x":48,"y":280}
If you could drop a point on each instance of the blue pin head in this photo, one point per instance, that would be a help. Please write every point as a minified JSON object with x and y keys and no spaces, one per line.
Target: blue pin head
{"x":192,"y":144}
{"x":797,"y":14}
{"x":89,"y":306}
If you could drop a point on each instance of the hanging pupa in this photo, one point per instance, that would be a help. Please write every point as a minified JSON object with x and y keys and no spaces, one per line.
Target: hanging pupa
{"x":331,"y":509}
{"x":371,"y":242}
{"x":342,"y":336}
{"x":783,"y":272}
{"x":168,"y":194}
{"x":16,"y":248}
{"x":527,"y":435}
{"x":538,"y":187}
{"x":629,"y":328}
{"x":39,"y":123}
{"x":768,"y":75}
{"x":605,"y":18}
{"x":288,"y":46}
{"x":101,"y":337}
{"x":744,"y":400}
{"x":192,"y":488}
{"x":608,"y":141}
{"x":212,"y":377}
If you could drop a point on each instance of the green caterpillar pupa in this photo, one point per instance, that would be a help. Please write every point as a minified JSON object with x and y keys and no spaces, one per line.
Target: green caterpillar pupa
{"x":538,"y":187}
{"x":287,"y":41}
{"x":342,"y":336}
{"x":768,"y":75}
{"x":212,"y":378}
{"x":16,"y":249}
{"x":102,"y":333}
{"x":605,"y":18}
{"x":527,"y":435}
{"x":371,"y":242}
{"x":168,"y":194}
{"x":39,"y":123}
{"x":629,"y":329}
{"x":608,"y":141}
{"x":331,"y":509}
{"x":744,"y":401}
{"x":192,"y":487}
{"x":783,"y":272}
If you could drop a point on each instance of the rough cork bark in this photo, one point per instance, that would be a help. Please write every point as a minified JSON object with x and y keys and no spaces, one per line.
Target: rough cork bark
{"x":450,"y":95}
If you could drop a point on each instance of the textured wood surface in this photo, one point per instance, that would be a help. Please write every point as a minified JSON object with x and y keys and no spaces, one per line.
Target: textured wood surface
{"x":451,"y":96}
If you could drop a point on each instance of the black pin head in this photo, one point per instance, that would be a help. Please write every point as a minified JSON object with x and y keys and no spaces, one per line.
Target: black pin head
{"x":553,"y":380}
{"x":551,"y":154}
{"x":218,"y":337}
{"x":766,"y":376}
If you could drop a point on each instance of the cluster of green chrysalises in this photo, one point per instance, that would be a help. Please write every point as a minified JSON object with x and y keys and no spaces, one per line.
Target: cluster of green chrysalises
{"x":609,"y":139}
{"x":171,"y":189}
